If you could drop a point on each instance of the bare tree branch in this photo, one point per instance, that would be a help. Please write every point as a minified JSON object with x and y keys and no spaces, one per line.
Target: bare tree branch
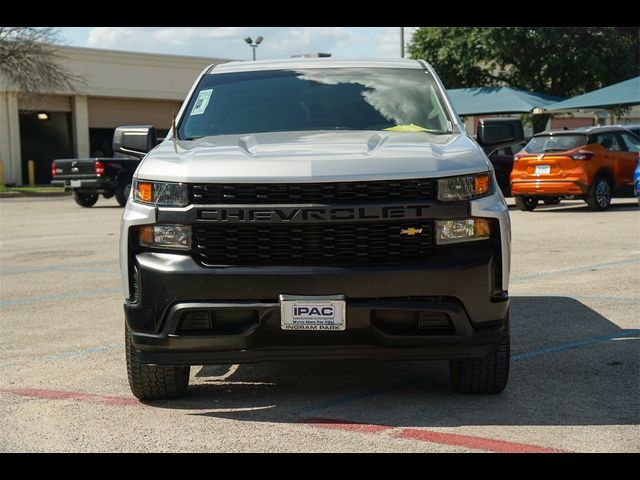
{"x":31,"y":62}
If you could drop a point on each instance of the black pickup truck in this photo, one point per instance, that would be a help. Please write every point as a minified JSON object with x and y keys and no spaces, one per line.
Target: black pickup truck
{"x":89,"y":177}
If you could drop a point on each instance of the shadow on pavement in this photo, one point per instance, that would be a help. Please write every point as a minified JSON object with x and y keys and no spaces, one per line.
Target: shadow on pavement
{"x":591,"y":385}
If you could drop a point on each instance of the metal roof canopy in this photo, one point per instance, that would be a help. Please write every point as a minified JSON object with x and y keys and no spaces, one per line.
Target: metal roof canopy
{"x":498,"y":100}
{"x":621,"y":94}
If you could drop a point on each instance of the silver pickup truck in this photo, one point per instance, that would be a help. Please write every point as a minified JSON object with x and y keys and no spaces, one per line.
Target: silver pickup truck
{"x":316,"y":209}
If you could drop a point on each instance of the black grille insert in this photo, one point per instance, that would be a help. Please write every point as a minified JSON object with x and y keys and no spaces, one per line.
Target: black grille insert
{"x":314,"y":244}
{"x":412,"y":322}
{"x":322,"y":193}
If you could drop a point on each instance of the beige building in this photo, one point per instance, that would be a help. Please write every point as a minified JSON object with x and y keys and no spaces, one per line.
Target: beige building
{"x":120,"y":88}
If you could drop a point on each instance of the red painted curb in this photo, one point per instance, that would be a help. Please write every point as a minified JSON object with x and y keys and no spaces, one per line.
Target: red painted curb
{"x":64,"y":395}
{"x":422,"y":435}
{"x":476,"y":443}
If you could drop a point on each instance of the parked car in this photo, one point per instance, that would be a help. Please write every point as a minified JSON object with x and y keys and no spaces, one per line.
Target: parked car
{"x":592,"y":163}
{"x":636,"y":181}
{"x":633,"y":128}
{"x":502,"y":161}
{"x":360,"y":222}
{"x":89,"y":177}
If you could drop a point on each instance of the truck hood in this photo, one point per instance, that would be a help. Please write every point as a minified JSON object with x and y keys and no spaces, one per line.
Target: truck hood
{"x":316,"y":156}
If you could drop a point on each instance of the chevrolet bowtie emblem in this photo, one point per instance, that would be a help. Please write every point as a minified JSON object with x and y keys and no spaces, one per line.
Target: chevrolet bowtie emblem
{"x":411,"y":231}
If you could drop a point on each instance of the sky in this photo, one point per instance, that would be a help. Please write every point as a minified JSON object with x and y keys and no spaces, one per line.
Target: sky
{"x":228,"y":42}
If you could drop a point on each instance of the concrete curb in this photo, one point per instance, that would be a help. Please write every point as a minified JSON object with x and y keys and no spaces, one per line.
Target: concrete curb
{"x":33,"y":194}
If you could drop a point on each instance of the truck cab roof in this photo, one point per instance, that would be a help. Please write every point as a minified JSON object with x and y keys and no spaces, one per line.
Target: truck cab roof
{"x":297,"y":63}
{"x":584,"y":130}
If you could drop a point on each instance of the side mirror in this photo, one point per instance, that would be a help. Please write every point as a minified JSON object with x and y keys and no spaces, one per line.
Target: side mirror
{"x":135,"y":140}
{"x":494,"y":133}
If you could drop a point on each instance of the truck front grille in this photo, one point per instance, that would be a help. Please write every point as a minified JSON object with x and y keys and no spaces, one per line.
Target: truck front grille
{"x":314,"y":244}
{"x":323,"y":193}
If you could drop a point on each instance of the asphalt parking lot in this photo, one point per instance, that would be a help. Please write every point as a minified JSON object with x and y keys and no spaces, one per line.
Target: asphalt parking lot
{"x":575,"y":379}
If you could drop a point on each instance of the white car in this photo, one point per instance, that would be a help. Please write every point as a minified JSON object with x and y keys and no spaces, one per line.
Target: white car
{"x":316,"y":209}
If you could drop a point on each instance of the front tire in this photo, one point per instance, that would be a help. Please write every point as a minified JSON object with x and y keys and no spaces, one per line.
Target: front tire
{"x":85,"y":200}
{"x":599,"y":196}
{"x":153,"y":382}
{"x":122,"y":193}
{"x":526,"y":204}
{"x":484,"y":375}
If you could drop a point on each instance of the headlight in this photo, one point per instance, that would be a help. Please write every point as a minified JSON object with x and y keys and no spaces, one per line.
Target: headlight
{"x":161,"y":194}
{"x":166,"y":236}
{"x":455,"y":231}
{"x":466,"y":187}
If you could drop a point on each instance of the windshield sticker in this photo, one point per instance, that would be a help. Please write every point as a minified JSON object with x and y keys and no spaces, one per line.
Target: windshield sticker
{"x":201,"y":102}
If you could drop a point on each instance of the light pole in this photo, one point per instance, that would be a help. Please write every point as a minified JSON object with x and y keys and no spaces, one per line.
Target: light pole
{"x":401,"y":42}
{"x":254,"y":45}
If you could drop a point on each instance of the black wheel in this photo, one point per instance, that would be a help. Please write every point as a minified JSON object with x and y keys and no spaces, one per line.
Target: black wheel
{"x":527,"y":204}
{"x":153,"y":382}
{"x":85,"y":199}
{"x":599,"y":196}
{"x":122,"y":193}
{"x":552,"y":201}
{"x":484,"y":375}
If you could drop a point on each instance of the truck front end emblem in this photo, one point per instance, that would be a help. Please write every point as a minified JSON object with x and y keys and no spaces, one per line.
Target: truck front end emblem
{"x":411,"y":231}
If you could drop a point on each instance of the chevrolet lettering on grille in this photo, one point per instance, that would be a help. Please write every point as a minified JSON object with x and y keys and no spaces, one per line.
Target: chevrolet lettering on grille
{"x":315,"y":214}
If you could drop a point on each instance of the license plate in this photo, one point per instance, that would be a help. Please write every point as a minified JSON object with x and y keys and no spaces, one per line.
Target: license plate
{"x":312,"y":313}
{"x":543,"y":169}
{"x":76,"y":183}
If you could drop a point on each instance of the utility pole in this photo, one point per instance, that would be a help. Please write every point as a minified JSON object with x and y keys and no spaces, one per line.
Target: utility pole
{"x":401,"y":42}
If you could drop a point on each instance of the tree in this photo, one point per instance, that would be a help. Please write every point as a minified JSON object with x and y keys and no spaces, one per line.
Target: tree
{"x":562,"y":61}
{"x":30,"y":61}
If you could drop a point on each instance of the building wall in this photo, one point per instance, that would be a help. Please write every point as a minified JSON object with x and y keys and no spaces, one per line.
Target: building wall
{"x":559,"y":123}
{"x":112,"y":112}
{"x":53,"y":103}
{"x":632,"y":116}
{"x":10,"y":138}
{"x":111,"y":73}
{"x":119,"y":88}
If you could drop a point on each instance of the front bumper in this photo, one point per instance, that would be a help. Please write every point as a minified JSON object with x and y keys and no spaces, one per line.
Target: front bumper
{"x":169,"y":286}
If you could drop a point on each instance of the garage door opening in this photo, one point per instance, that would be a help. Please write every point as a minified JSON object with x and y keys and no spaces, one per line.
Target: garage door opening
{"x":44,"y":136}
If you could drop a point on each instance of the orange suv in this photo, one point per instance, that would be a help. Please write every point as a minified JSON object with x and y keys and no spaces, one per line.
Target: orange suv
{"x":590,"y":163}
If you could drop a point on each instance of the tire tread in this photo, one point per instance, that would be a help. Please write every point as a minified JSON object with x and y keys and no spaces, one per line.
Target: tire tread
{"x":154,"y":382}
{"x":484,"y":375}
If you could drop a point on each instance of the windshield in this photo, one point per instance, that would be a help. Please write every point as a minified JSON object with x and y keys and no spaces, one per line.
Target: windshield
{"x":555,"y":143}
{"x":635,"y":131}
{"x":393,"y":99}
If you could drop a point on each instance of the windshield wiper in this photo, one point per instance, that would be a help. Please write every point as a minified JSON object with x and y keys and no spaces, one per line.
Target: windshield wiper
{"x":194,"y":138}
